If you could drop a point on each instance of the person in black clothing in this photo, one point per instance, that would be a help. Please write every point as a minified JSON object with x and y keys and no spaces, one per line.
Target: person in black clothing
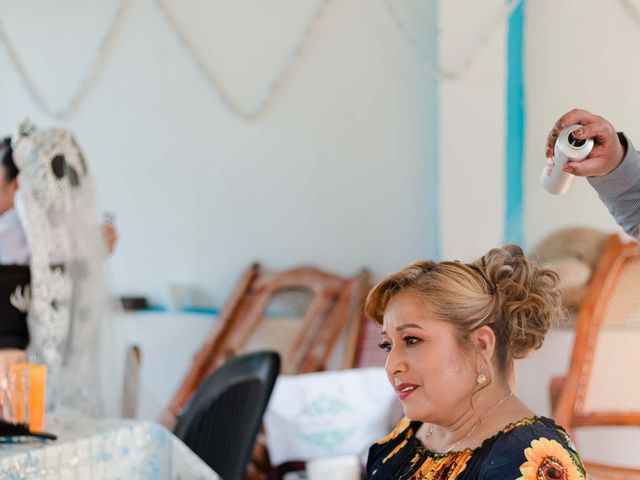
{"x":14,"y":267}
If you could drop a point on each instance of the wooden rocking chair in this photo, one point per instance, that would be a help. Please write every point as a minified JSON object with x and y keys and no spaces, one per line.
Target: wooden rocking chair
{"x":305,"y":343}
{"x":602,"y":387}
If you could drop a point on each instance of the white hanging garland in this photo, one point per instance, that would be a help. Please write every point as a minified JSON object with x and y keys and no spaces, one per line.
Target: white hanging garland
{"x":272,"y":87}
{"x":631,"y":8}
{"x":87,"y":79}
{"x":106,"y":42}
{"x":469,"y":58}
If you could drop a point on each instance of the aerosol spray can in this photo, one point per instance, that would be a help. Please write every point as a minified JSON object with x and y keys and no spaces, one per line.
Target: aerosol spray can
{"x":567,"y":148}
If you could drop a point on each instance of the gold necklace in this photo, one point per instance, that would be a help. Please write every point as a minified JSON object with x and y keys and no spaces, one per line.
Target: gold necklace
{"x":473,"y":429}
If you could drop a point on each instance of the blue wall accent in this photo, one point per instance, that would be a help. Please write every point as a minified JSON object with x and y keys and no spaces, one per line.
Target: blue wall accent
{"x":514,"y":165}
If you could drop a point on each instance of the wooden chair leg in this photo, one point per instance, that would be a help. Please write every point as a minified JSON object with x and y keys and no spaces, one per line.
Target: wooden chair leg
{"x":131,"y":387}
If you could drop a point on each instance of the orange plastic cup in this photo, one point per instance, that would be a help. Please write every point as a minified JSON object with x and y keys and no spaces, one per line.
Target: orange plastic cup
{"x":37,"y":391}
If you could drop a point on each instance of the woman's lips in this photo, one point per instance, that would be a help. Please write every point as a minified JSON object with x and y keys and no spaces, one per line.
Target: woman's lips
{"x":405,"y":389}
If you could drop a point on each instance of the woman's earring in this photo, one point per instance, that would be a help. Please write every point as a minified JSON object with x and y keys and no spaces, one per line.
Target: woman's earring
{"x":482,"y":378}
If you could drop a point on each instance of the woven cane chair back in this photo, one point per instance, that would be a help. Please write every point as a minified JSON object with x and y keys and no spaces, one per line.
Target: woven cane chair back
{"x":602,"y":387}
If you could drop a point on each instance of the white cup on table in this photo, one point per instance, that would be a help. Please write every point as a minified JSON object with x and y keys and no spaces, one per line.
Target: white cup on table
{"x":336,"y":468}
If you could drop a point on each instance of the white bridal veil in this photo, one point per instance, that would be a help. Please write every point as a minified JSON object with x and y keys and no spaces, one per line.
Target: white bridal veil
{"x":56,"y":202}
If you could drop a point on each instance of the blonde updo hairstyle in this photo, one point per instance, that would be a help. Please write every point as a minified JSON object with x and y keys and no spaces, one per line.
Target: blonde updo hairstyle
{"x":503,"y":290}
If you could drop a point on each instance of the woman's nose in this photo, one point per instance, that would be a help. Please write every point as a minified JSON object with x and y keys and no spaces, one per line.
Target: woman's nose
{"x":395,"y":362}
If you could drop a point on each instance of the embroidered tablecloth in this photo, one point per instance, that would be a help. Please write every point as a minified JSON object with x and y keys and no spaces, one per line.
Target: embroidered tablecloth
{"x":89,"y":449}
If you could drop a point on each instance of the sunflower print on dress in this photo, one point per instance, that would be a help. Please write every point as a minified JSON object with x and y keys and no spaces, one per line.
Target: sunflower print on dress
{"x":549,"y":460}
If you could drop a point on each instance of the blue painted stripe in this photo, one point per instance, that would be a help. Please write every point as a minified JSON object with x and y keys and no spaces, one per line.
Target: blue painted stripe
{"x":514,"y":171}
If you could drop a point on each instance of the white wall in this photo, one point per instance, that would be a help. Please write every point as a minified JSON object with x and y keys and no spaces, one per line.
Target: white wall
{"x":339,"y":172}
{"x":578,"y":54}
{"x":472,"y":126}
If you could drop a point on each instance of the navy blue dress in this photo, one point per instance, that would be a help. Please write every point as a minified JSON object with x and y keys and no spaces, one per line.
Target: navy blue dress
{"x":531,"y":449}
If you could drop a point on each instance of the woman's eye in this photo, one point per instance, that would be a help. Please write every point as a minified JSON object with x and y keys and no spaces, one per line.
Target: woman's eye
{"x":386,"y":346}
{"x":411,"y":340}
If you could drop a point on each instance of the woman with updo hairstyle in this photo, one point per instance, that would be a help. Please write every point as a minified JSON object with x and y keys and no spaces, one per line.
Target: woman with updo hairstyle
{"x":452,"y":331}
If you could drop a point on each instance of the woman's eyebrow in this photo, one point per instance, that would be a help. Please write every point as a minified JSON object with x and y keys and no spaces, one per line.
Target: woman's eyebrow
{"x":404,"y":326}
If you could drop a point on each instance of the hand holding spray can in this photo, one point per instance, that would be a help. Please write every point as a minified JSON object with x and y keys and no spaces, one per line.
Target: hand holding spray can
{"x":567,"y":149}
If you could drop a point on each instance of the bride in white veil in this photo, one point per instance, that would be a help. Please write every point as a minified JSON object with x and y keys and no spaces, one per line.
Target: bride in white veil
{"x":56,"y":201}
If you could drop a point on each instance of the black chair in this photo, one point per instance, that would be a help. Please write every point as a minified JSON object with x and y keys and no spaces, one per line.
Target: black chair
{"x":222,"y":419}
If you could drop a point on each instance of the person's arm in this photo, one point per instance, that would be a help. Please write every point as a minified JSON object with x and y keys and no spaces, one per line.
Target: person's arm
{"x":620,"y":191}
{"x":110,"y":235}
{"x":613,"y":166}
{"x":9,"y":356}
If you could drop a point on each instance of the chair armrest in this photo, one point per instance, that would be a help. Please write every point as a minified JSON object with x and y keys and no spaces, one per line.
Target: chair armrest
{"x":605,"y":472}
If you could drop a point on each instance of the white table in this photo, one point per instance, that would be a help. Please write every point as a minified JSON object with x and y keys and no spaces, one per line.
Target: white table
{"x":103,"y":450}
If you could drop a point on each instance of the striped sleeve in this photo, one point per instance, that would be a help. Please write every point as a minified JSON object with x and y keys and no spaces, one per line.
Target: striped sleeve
{"x":620,"y":190}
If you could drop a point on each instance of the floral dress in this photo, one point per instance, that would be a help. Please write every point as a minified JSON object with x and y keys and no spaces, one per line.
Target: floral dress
{"x":531,"y":449}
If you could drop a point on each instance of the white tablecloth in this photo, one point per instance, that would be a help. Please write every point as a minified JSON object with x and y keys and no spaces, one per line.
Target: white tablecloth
{"x":103,"y":449}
